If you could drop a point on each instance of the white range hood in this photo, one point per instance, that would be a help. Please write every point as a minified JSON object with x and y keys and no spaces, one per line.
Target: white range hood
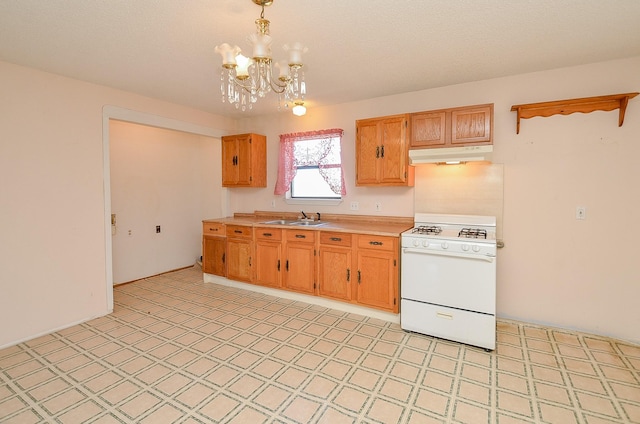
{"x":451,"y":154}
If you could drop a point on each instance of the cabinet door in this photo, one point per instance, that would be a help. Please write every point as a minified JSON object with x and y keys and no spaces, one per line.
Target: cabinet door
{"x":243,"y":161}
{"x":377,"y":279}
{"x":229,"y":168}
{"x":393,"y":150}
{"x":214,"y":255}
{"x":367,"y":145}
{"x":239,"y":260}
{"x":428,"y":129}
{"x":268,"y":263}
{"x":334,"y":276}
{"x":299,"y":267}
{"x":471,"y":125}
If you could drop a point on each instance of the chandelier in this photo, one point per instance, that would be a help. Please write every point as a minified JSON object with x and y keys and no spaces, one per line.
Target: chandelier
{"x":243,"y":80}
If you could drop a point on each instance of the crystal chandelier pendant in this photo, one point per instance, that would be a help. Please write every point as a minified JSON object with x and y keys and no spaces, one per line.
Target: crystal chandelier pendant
{"x":244,"y":81}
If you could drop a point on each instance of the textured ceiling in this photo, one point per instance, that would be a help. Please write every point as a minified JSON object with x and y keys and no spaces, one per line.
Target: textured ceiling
{"x":358,"y":49}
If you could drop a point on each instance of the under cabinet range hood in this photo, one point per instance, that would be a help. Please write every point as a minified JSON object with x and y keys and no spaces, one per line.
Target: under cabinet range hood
{"x":450,"y":154}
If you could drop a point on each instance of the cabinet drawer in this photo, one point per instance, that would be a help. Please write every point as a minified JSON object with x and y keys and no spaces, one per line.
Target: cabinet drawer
{"x":239,"y":231}
{"x":376,"y":242}
{"x":335,"y":239}
{"x":303,"y":236}
{"x":213,"y":229}
{"x":267,"y":233}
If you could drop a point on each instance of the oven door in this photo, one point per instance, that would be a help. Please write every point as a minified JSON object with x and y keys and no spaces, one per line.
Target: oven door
{"x":456,"y":280}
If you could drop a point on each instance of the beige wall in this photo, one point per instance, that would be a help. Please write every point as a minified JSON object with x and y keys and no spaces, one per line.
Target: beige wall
{"x":554,"y":269}
{"x":52,"y":217}
{"x":160,"y":177}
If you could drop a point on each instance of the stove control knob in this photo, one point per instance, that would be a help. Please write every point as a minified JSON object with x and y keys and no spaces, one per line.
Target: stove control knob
{"x":416,"y":243}
{"x":425,"y":243}
{"x":476,"y":248}
{"x":465,"y":247}
{"x":445,"y":245}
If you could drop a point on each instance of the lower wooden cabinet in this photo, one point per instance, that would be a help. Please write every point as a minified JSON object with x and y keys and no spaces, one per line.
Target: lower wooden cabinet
{"x":377,"y":272}
{"x":214,"y":250}
{"x":356,"y":268}
{"x":335,"y":262}
{"x":239,"y":252}
{"x":300,"y":259}
{"x":268,"y":253}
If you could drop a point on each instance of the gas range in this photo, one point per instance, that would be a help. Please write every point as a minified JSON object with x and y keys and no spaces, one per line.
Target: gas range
{"x":455,"y":233}
{"x":448,"y":278}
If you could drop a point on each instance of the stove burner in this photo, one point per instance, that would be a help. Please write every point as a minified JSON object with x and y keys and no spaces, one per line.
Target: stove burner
{"x":427,"y":229}
{"x":473,"y":233}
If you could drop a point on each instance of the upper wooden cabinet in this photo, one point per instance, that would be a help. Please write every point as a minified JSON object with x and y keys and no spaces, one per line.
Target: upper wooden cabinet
{"x":244,"y":160}
{"x":381,"y":152}
{"x":462,"y":126}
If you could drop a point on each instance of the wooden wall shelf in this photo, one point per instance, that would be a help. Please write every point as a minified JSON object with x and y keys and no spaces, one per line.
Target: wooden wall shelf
{"x":566,"y":107}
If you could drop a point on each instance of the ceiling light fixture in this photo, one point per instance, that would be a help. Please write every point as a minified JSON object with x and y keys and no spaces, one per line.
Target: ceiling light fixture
{"x":299,"y":109}
{"x":244,"y":80}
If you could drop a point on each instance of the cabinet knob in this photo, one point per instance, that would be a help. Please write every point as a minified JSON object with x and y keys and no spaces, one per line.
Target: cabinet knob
{"x":335,"y":239}
{"x":375,"y":243}
{"x":300,"y":236}
{"x":267,"y":234}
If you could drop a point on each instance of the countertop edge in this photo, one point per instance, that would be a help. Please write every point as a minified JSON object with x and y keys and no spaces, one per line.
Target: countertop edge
{"x":361,"y":224}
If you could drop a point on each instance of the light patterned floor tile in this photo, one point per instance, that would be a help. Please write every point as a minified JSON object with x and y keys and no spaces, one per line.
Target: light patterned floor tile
{"x":177,"y":349}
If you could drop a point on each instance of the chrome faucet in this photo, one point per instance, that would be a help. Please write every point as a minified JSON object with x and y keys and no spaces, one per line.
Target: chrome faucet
{"x":304,"y":215}
{"x":318,"y":213}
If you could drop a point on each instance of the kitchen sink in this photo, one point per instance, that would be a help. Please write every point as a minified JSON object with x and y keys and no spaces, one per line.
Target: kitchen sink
{"x":308,"y":223}
{"x":279,"y":222}
{"x":291,"y":222}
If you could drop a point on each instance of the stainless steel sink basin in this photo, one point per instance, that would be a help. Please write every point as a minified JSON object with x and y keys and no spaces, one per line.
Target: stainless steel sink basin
{"x":291,"y":222}
{"x":308,"y":223}
{"x":279,"y":222}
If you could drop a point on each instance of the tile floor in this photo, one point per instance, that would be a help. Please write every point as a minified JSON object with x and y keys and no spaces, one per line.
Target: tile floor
{"x":177,"y":350}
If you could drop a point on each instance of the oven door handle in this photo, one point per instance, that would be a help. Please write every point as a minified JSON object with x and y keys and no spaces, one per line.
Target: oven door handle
{"x":450,"y":254}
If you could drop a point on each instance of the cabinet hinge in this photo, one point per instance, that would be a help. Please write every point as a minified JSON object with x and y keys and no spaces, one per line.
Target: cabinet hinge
{"x":314,"y":286}
{"x":251,"y":178}
{"x":394,"y":262}
{"x":314,"y":252}
{"x":394,"y":300}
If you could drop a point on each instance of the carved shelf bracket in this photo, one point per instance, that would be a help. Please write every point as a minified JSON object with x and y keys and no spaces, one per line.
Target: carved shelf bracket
{"x":566,"y":107}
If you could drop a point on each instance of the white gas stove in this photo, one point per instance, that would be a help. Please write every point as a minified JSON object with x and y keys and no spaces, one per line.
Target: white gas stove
{"x":448,"y":278}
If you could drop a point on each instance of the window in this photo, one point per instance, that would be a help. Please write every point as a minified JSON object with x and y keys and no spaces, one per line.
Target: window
{"x":310,"y":165}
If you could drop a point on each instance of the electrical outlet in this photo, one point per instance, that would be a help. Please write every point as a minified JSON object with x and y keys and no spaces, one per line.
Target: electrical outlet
{"x":355,"y":206}
{"x":157,"y":228}
{"x":581,"y":212}
{"x":378,"y":206}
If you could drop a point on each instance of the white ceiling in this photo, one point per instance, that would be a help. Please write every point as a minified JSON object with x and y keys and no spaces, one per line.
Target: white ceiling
{"x":358,"y":49}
